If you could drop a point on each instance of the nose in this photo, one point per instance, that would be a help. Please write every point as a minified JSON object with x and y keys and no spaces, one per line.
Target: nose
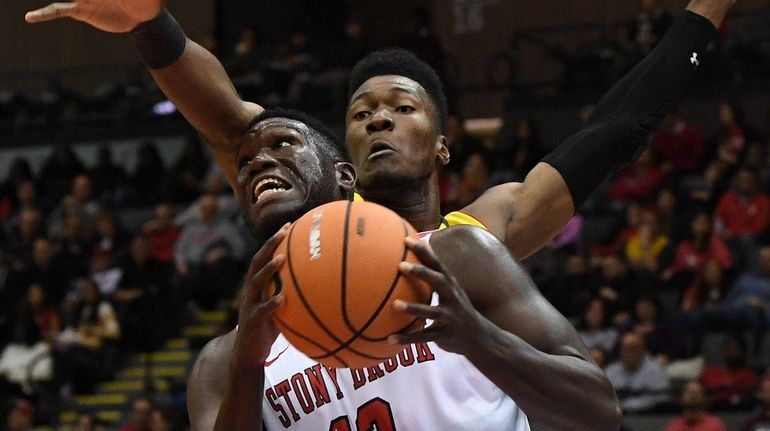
{"x":380,"y":120}
{"x":261,"y":162}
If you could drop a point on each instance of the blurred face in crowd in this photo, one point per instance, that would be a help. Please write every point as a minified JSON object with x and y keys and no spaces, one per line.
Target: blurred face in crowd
{"x":613,"y":267}
{"x":35,"y":295}
{"x":27,"y":193}
{"x":21,"y":417}
{"x":106,"y":225}
{"x":599,"y":356}
{"x":693,"y":397}
{"x":595,"y":314}
{"x":764,"y":261}
{"x":164,"y":214}
{"x":701,"y":225}
{"x":632,"y":351}
{"x":763,"y":394}
{"x":746,"y":182}
{"x":90,"y":292}
{"x":646,"y":310}
{"x":576,"y":266}
{"x":140,"y":249}
{"x":666,"y":201}
{"x":42,"y":252}
{"x":712,"y":274}
{"x":209,"y":208}
{"x":726,"y":114}
{"x":81,"y":188}
{"x":140,"y":413}
{"x":29,"y":222}
{"x":158,"y":422}
{"x":215,"y":184}
{"x":475,"y":170}
{"x":85,"y":423}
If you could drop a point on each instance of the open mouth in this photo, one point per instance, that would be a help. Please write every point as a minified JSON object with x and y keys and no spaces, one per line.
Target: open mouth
{"x":379,"y":149}
{"x":269,"y":186}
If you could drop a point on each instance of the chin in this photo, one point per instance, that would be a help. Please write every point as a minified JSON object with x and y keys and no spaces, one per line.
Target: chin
{"x":264,"y":222}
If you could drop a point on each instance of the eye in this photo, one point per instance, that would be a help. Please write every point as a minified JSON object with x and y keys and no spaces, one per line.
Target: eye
{"x":281,"y":143}
{"x":405,"y":109}
{"x":243,"y":162}
{"x":361,"y":115}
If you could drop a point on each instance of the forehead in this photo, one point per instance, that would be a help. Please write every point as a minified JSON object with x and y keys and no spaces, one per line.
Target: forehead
{"x":279,"y":124}
{"x":388,"y":84}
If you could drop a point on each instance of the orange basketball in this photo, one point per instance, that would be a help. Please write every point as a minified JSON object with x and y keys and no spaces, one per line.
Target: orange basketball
{"x":340,"y":279}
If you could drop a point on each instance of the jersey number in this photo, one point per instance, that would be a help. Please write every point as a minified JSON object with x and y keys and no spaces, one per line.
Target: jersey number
{"x":374,"y":415}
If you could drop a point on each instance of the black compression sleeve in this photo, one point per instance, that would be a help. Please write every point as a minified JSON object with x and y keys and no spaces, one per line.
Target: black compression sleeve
{"x":632,"y":109}
{"x":160,"y":41}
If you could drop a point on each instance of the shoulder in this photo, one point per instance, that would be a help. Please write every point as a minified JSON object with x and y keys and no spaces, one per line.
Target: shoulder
{"x":211,"y":367}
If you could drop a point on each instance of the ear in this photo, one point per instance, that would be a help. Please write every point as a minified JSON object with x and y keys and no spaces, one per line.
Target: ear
{"x":345,"y":174}
{"x":442,"y":150}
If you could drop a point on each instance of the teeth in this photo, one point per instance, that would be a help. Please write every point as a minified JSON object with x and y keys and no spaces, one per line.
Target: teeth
{"x":260,"y":195}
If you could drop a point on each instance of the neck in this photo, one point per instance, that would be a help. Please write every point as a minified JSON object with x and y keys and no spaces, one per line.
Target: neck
{"x":693,"y":416}
{"x":419,"y":206}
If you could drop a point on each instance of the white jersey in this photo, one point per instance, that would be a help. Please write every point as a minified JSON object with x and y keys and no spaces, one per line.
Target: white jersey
{"x":421,"y":388}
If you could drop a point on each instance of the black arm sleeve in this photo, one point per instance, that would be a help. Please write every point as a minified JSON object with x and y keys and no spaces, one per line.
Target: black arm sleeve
{"x":632,"y":109}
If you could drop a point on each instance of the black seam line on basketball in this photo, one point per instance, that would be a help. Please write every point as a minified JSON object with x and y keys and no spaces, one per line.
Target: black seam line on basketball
{"x":309,"y":340}
{"x":387,"y":297}
{"x":378,"y":339}
{"x":299,"y":291}
{"x":342,"y":345}
{"x":344,"y":270}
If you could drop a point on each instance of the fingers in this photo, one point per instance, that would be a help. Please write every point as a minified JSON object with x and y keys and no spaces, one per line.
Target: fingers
{"x":428,"y":334}
{"x":267,"y":250}
{"x":425,"y":253}
{"x":441,"y":283}
{"x":51,"y":12}
{"x":256,"y":285}
{"x":418,"y":310}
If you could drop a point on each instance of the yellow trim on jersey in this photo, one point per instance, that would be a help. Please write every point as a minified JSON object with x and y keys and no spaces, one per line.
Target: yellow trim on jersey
{"x":454,"y":218}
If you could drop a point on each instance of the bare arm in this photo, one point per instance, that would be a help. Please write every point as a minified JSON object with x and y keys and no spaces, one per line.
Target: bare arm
{"x":206,"y":386}
{"x":504,"y":326}
{"x":527,"y":215}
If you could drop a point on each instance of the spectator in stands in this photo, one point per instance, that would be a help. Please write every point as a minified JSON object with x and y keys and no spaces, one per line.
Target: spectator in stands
{"x":87,"y":422}
{"x":747,"y":306}
{"x":700,"y":246}
{"x":105,"y":272}
{"x":473,"y":181}
{"x":744,"y":211}
{"x":207,"y":255}
{"x":26,"y":197}
{"x":162,"y":234}
{"x":141,"y":410}
{"x":148,"y":174}
{"x":733,"y":135}
{"x":641,"y":383}
{"x":83,"y":355}
{"x":75,"y":245}
{"x":518,"y":149}
{"x":43,"y":313}
{"x":19,"y":173}
{"x":600,"y":356}
{"x":572,"y":290}
{"x":678,"y":145}
{"x":181,"y":185}
{"x":761,"y":419}
{"x":110,"y":235}
{"x":651,"y":23}
{"x":632,"y":222}
{"x":649,"y":248}
{"x":143,"y":297}
{"x":21,"y":237}
{"x":227,"y":206}
{"x":57,"y":174}
{"x":732,"y":383}
{"x":706,"y":187}
{"x":21,"y":417}
{"x":163,"y":420}
{"x":79,"y":202}
{"x":49,"y":270}
{"x":595,"y":330}
{"x":110,"y":180}
{"x":619,"y":286}
{"x":11,"y":289}
{"x":666,"y":211}
{"x":638,"y":182}
{"x":660,"y":337}
{"x":708,"y":289}
{"x":695,"y":415}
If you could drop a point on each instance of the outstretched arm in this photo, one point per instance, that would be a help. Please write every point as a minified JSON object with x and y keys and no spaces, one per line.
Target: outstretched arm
{"x":191,"y":77}
{"x":491,"y":312}
{"x":529,"y":214}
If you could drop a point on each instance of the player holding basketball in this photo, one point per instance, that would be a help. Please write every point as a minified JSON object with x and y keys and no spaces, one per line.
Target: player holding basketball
{"x":496,"y":348}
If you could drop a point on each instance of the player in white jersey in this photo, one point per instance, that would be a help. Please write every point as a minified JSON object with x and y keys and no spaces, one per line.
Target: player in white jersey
{"x":495,"y":348}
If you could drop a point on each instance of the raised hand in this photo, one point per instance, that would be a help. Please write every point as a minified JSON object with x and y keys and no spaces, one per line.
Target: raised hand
{"x":114,"y":16}
{"x":256,"y":329}
{"x":457,"y":325}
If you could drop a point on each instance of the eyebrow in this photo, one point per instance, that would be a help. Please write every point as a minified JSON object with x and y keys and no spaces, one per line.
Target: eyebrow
{"x":397,"y":88}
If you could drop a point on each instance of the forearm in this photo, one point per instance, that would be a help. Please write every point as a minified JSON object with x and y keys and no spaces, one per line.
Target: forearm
{"x":194,"y":80}
{"x":544,"y":384}
{"x":241,"y":407}
{"x":713,"y":10}
{"x":633,"y":108}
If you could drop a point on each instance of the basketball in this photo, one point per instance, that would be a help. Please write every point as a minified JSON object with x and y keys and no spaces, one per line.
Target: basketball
{"x":339,"y":281}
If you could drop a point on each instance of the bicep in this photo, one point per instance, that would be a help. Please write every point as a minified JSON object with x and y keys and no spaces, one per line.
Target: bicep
{"x":526,"y":215}
{"x":205,"y":389}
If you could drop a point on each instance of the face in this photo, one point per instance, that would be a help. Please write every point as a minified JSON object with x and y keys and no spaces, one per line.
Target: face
{"x":81,"y":187}
{"x":693,"y":397}
{"x":764,"y":394}
{"x":164,"y":214}
{"x":140,"y":412}
{"x":632,"y":351}
{"x":595,"y":314}
{"x":745,"y":181}
{"x":90,"y":292}
{"x":599,"y":356}
{"x":701,"y":225}
{"x":733,"y":352}
{"x":140,"y":249}
{"x":392,"y":134}
{"x":158,"y":422}
{"x":35,"y":295}
{"x":42,"y":251}
{"x":209,"y":208}
{"x":646,"y":310}
{"x":764,"y":260}
{"x":712,"y":273}
{"x":282,"y":174}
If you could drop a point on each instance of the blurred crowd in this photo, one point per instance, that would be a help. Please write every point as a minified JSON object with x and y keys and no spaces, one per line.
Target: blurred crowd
{"x":665,"y":271}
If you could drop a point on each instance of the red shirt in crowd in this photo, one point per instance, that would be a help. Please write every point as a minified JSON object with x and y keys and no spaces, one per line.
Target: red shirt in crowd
{"x":690,"y":258}
{"x":162,"y":242}
{"x":729,"y":387}
{"x":635,"y":184}
{"x":741,"y":216}
{"x":707,"y":422}
{"x":680,"y":145}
